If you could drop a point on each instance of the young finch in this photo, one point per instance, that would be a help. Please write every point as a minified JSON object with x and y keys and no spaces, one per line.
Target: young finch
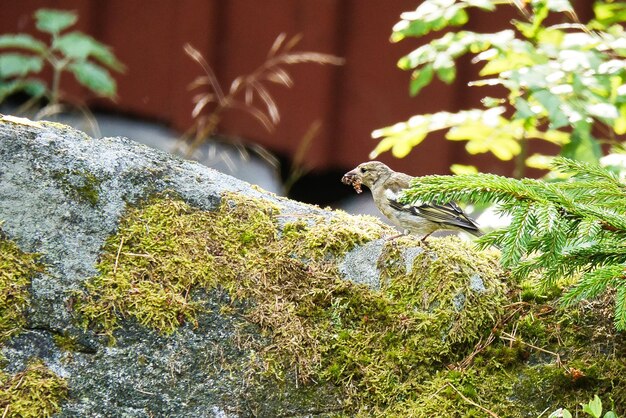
{"x":420,"y":218}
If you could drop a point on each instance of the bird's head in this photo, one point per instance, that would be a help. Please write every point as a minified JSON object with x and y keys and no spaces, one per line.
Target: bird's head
{"x":367,"y":174}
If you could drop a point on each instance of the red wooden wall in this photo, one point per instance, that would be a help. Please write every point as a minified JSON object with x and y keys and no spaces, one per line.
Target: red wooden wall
{"x":350,"y":101}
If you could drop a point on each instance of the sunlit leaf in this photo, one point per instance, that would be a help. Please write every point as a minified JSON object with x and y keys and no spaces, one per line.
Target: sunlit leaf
{"x":556,"y":137}
{"x":463,"y":169}
{"x":540,"y":161}
{"x":383,"y":146}
{"x":620,"y":122}
{"x":401,"y":149}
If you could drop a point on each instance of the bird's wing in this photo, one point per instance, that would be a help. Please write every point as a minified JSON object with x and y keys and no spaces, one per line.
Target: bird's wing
{"x":449,"y":214}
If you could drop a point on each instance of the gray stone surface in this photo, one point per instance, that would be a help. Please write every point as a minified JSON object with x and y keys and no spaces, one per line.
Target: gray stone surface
{"x":360,"y":264}
{"x":42,"y":168}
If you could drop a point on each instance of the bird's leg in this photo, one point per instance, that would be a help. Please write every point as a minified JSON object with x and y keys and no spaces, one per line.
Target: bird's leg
{"x":401,"y":234}
{"x":423,"y":240}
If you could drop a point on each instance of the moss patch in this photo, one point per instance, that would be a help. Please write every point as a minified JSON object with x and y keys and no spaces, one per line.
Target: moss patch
{"x":79,"y":185}
{"x":16,"y":271}
{"x":445,"y":335}
{"x":35,"y":392}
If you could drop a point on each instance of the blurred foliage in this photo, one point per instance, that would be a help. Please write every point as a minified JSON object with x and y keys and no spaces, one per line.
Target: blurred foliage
{"x":564,"y":83}
{"x":23,"y":59}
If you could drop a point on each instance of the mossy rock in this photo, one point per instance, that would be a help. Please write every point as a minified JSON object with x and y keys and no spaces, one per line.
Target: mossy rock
{"x":16,"y":271}
{"x":428,"y":312}
{"x":174,"y":290}
{"x":37,"y":391}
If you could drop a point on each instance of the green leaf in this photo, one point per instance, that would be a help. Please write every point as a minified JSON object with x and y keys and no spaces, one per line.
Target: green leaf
{"x":34,"y":88}
{"x":509,"y":61}
{"x":80,"y":47}
{"x":558,"y":5}
{"x":22,"y":41}
{"x":94,"y":77}
{"x":429,"y":16}
{"x":610,"y":414}
{"x":447,"y":74}
{"x":608,"y":14}
{"x":594,"y":407}
{"x":582,"y":146}
{"x":420,"y":79}
{"x":560,"y":413}
{"x":54,"y":21}
{"x":552,"y":104}
{"x":19,"y":65}
{"x":523,"y":110}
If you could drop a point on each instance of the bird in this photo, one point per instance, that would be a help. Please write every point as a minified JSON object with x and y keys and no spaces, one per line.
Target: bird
{"x":420,"y":218}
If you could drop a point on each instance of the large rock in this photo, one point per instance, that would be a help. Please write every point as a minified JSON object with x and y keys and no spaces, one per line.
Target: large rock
{"x":163,"y":288}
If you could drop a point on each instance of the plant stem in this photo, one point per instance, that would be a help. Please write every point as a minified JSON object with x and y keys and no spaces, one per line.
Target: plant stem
{"x":520,"y":159}
{"x":56,"y":82}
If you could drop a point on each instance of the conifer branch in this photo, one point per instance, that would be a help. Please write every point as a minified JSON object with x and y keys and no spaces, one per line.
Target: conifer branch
{"x":559,"y":229}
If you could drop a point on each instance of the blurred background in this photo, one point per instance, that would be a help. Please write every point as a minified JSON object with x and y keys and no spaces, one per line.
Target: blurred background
{"x":327,"y":113}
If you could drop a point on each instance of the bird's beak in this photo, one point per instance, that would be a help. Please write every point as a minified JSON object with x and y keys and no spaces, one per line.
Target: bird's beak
{"x":352,"y":178}
{"x":349,"y":177}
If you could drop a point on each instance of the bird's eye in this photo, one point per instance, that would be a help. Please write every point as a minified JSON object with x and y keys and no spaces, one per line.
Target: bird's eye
{"x":363,"y":170}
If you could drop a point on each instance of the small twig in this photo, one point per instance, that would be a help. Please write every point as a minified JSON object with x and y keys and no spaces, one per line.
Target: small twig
{"x":509,"y":337}
{"x":432,"y":395}
{"x":480,"y":346}
{"x":543,"y":412}
{"x":20,"y":382}
{"x":6,"y":411}
{"x":471,"y":402}
{"x":145,"y":392}
{"x":117,"y":256}
{"x":139,"y":255}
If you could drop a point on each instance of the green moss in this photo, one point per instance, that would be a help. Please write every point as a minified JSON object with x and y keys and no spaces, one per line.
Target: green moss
{"x":35,"y":392}
{"x":67,"y":342}
{"x":16,"y":271}
{"x":79,"y":185}
{"x":445,"y":335}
